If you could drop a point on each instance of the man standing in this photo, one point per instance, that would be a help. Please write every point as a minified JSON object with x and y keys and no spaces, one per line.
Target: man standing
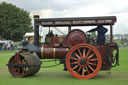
{"x":101,"y":34}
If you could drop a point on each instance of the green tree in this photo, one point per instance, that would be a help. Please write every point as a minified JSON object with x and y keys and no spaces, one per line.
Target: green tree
{"x":14,"y":22}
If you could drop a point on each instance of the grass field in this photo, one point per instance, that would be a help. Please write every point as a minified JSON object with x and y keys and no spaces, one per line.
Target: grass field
{"x":55,"y":75}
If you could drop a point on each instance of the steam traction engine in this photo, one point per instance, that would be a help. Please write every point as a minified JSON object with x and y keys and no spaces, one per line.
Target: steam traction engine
{"x":83,"y":57}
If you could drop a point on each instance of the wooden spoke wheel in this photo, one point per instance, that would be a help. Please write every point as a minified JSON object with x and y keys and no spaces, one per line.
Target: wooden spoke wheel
{"x":83,"y":61}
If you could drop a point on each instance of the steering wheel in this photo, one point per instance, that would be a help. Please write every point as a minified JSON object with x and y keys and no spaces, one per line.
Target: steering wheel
{"x":90,"y":38}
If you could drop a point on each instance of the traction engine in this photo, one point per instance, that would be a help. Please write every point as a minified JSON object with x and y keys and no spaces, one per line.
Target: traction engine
{"x":82,"y":56}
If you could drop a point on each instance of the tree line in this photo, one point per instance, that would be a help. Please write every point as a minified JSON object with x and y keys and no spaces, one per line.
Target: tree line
{"x":14,"y":22}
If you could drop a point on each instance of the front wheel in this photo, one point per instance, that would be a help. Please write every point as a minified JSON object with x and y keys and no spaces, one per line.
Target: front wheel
{"x":83,"y":61}
{"x":24,"y":64}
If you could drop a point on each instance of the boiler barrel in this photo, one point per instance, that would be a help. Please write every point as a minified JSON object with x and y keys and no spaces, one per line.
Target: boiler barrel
{"x":53,"y":53}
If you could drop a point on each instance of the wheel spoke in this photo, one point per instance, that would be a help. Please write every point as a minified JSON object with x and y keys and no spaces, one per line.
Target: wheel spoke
{"x":18,"y":71}
{"x":75,"y":67}
{"x":77,"y":55}
{"x":83,"y":52}
{"x":92,"y":64}
{"x":23,"y":69}
{"x":79,"y":52}
{"x":93,"y":59}
{"x":91,"y":55}
{"x":87,"y":69}
{"x":74,"y":62}
{"x":91,"y":68}
{"x":83,"y":71}
{"x":19,"y":60}
{"x":79,"y":69}
{"x":88,"y":52}
{"x":73,"y":58}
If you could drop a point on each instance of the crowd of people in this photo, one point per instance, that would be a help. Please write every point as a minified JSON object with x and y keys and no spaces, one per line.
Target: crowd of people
{"x":6,"y":45}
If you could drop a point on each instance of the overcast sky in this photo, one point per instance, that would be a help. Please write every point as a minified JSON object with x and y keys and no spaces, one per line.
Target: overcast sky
{"x":78,"y":8}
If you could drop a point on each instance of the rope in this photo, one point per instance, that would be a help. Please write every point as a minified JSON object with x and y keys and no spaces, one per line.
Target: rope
{"x":49,"y":61}
{"x":50,"y":66}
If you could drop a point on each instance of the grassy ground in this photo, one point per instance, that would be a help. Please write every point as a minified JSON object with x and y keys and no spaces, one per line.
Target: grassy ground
{"x":55,"y":75}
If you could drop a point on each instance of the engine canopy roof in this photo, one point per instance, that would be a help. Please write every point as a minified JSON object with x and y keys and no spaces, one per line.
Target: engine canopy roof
{"x":76,"y":21}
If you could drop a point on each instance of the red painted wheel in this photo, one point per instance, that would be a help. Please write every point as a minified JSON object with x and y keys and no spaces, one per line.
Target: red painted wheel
{"x":83,"y":61}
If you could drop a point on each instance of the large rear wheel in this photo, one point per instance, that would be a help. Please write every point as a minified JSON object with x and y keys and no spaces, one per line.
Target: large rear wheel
{"x":83,"y":61}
